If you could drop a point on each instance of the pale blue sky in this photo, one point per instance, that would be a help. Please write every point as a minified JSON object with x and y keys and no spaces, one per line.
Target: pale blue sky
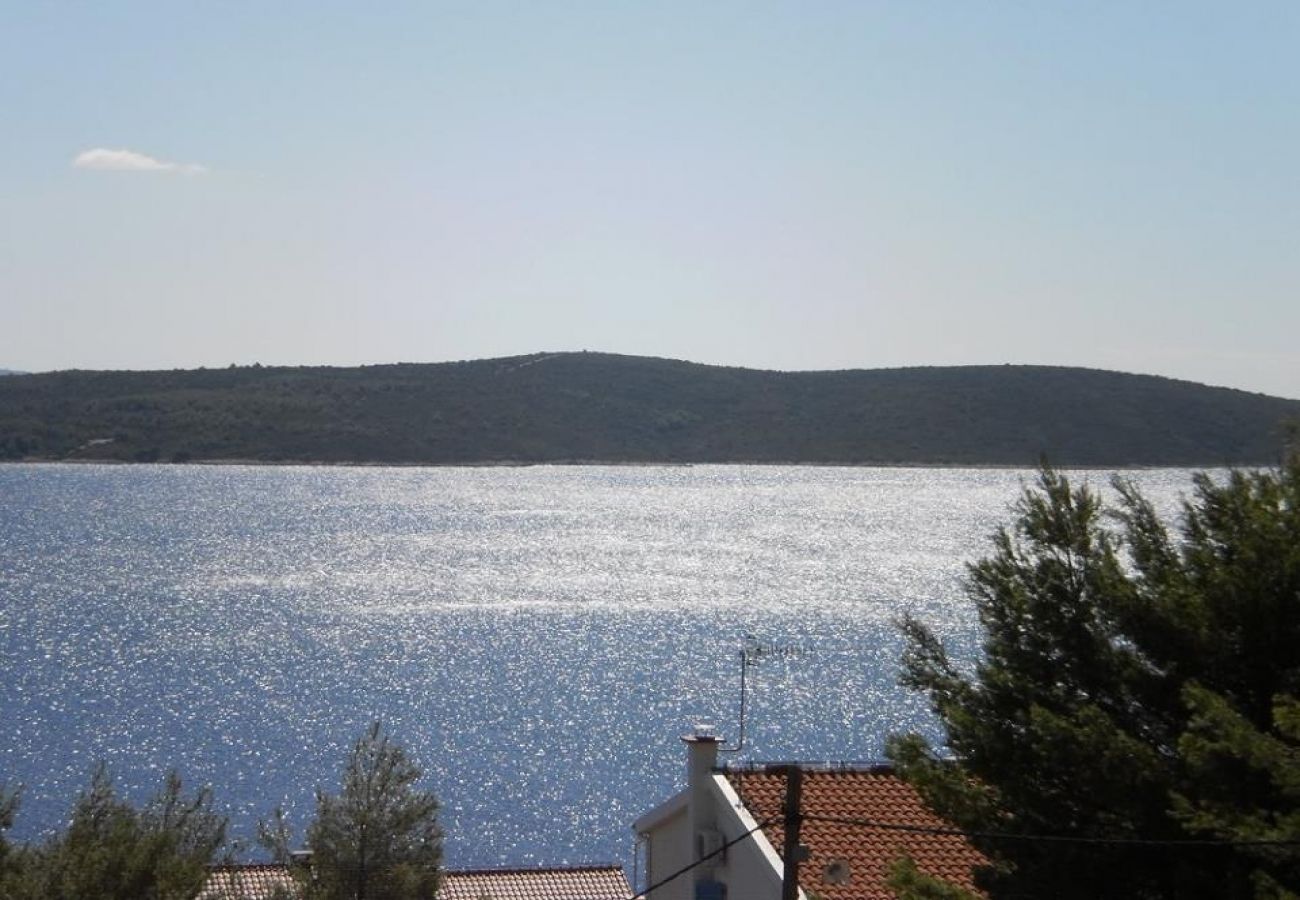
{"x":795,"y":186}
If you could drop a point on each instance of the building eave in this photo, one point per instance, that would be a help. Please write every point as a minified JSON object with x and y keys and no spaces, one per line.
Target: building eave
{"x":741,"y":821}
{"x":674,"y":805}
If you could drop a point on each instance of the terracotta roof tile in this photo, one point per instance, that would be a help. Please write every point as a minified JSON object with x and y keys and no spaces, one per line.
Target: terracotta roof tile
{"x":576,"y":883}
{"x":260,"y":882}
{"x":874,"y":794}
{"x":249,"y":882}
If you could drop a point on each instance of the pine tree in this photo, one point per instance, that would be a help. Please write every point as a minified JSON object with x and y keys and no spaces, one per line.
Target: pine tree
{"x":1134,"y":685}
{"x":9,"y":860}
{"x":378,"y":838}
{"x":113,"y":851}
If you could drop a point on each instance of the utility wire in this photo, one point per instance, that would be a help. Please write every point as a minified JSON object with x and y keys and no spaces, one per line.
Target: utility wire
{"x":1043,"y":838}
{"x":703,"y":859}
{"x":957,"y":832}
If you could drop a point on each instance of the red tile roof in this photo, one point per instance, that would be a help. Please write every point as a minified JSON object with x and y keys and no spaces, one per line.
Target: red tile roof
{"x":260,"y":882}
{"x":575,"y":883}
{"x":249,"y":882}
{"x":873,"y":794}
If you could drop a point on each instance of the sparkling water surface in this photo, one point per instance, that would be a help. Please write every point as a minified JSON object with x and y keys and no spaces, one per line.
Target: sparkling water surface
{"x":538,"y":638}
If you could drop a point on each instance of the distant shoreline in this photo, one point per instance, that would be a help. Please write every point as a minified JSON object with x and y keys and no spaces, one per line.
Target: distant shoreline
{"x":624,"y":464}
{"x":604,"y":409}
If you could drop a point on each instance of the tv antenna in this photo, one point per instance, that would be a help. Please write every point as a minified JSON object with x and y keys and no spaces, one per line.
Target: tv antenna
{"x":751,"y":651}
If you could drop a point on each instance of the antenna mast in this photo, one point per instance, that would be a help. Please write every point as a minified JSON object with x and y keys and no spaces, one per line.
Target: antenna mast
{"x":750,"y":651}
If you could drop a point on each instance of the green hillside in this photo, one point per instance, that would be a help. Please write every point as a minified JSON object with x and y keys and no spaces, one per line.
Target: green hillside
{"x":593,"y":406}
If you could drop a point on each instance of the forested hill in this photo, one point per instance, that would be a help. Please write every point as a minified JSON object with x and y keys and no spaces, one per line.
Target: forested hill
{"x":592,"y":406}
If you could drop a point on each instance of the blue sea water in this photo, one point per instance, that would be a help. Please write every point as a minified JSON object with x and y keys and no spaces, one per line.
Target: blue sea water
{"x":538,"y":638}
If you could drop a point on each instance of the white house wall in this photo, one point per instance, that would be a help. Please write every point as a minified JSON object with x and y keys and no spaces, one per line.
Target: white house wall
{"x":753,"y":869}
{"x":668,"y":849}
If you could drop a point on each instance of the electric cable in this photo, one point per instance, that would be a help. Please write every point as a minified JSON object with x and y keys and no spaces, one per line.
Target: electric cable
{"x":1043,"y":838}
{"x":703,"y":859}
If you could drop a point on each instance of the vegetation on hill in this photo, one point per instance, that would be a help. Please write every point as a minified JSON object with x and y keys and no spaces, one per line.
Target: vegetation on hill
{"x":599,"y":407}
{"x":1132,"y":729}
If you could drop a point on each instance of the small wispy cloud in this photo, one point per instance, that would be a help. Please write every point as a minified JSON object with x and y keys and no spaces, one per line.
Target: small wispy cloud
{"x":105,"y":160}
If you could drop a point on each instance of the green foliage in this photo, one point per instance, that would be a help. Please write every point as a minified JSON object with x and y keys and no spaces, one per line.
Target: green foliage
{"x":1133,"y":685}
{"x":112,"y":851}
{"x":592,"y":406}
{"x":1247,"y":783}
{"x":9,"y":799}
{"x":378,"y":838}
{"x":909,"y":883}
{"x":275,"y":836}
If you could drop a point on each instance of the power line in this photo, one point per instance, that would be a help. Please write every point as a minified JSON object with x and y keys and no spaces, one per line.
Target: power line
{"x":913,"y":828}
{"x":1043,"y":838}
{"x":703,"y":859}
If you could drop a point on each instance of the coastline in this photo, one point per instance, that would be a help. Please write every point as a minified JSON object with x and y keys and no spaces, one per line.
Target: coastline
{"x":612,"y":463}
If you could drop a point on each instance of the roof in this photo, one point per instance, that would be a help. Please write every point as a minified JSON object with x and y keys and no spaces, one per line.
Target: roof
{"x":261,"y":882}
{"x":873,"y":794}
{"x":569,"y":883}
{"x":673,"y":806}
{"x":249,"y":882}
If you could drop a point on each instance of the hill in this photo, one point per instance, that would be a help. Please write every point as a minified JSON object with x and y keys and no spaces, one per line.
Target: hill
{"x":568,"y":407}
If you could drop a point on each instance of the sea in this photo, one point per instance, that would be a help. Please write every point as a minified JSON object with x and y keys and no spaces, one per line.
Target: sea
{"x":537,"y":638}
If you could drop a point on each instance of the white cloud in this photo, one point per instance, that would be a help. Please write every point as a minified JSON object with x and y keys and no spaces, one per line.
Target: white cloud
{"x":130,"y":161}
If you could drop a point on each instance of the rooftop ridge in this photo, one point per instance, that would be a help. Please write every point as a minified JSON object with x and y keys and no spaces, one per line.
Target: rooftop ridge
{"x":526,"y":870}
{"x":485,"y":870}
{"x":599,"y":881}
{"x":870,"y":766}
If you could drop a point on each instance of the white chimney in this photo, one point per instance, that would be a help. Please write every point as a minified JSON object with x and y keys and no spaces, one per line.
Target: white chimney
{"x":701,"y":760}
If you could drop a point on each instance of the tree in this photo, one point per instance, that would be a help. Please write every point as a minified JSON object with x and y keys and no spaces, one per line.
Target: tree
{"x":9,"y":798}
{"x":907,"y":882}
{"x":378,"y":839}
{"x":112,"y":851}
{"x":1135,"y":685}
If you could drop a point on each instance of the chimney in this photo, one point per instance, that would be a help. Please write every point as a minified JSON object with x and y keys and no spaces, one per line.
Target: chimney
{"x":701,"y":759}
{"x":701,"y":753}
{"x":302,"y":860}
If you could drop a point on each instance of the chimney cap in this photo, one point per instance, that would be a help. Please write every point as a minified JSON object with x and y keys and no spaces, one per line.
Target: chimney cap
{"x":703,"y":733}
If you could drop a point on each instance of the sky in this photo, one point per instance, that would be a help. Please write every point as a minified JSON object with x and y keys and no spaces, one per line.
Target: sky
{"x":809,"y":185}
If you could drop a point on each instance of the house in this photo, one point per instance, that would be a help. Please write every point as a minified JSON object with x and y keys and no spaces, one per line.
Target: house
{"x":275,"y":882}
{"x":849,"y":832}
